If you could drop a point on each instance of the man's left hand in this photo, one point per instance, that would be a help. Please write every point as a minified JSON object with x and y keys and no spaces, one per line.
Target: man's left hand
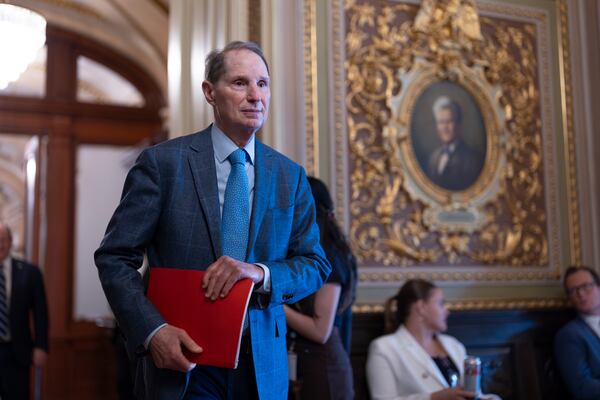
{"x":39,"y":357}
{"x":225,"y":272}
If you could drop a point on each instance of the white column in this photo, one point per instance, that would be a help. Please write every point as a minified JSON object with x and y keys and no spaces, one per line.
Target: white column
{"x":584,"y":35}
{"x":282,"y":40}
{"x":196,"y":28}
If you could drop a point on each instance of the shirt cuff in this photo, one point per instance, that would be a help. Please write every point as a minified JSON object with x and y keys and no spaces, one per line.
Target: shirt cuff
{"x":266,"y":283}
{"x":151,"y":335}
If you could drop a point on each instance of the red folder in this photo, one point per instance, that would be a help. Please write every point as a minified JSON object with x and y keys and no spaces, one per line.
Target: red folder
{"x":215,"y":325}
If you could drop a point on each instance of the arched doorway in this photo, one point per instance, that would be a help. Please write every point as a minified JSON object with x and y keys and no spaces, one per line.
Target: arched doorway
{"x":62,"y":119}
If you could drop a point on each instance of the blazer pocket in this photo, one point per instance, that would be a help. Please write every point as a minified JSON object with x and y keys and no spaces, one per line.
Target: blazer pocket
{"x":280,"y":220}
{"x":275,"y":231}
{"x":285,"y":210}
{"x":283,"y":197}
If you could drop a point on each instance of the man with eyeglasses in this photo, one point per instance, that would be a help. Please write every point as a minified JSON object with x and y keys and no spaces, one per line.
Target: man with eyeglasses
{"x":577,"y":344}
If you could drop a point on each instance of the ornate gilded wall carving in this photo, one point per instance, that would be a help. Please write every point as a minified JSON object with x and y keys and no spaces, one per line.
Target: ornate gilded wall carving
{"x":398,"y":58}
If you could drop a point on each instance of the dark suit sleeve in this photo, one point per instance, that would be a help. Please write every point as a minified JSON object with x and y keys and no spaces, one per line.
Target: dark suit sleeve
{"x":40,"y":311}
{"x":305,"y":268}
{"x":570,"y":351}
{"x":121,"y":252}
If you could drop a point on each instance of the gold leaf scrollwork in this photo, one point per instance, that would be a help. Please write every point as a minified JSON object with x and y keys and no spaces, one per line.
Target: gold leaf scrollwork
{"x":395,"y":213}
{"x":444,"y":19}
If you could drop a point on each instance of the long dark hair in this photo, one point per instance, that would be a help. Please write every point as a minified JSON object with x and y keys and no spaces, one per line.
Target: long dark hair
{"x":412,"y":291}
{"x":333,"y":240}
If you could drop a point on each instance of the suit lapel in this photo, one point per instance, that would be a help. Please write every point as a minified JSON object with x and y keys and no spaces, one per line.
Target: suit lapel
{"x":15,"y":281}
{"x":421,"y":357}
{"x":452,"y":352}
{"x":262,"y":192}
{"x":202,"y":165}
{"x":587,"y":330}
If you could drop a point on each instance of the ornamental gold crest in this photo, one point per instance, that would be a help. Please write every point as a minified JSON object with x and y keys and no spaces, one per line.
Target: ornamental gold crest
{"x":445,"y":136}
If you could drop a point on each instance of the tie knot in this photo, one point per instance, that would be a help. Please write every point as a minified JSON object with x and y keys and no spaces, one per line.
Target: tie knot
{"x":238,"y":157}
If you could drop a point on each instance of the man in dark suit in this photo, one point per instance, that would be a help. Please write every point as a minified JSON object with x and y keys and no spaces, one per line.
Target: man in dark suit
{"x":453,"y":165}
{"x":577,"y":344}
{"x":22,"y":297}
{"x":178,"y":206}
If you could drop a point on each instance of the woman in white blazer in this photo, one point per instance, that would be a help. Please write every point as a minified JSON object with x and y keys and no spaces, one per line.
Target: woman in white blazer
{"x":401,"y":365}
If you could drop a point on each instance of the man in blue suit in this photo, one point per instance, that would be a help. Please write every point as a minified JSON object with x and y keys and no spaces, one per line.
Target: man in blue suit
{"x":173,"y":203}
{"x":577,"y":344}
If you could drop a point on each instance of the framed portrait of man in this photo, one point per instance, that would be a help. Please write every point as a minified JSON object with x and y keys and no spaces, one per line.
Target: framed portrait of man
{"x":448,"y":136}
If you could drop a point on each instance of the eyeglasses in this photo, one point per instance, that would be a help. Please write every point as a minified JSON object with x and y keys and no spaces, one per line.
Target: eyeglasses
{"x":584,"y":288}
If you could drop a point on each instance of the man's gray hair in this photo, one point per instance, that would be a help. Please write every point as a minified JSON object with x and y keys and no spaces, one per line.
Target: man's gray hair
{"x":215,"y":60}
{"x":446,"y":103}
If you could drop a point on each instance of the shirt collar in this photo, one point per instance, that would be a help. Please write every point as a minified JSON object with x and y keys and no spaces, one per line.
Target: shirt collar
{"x":593,"y":320}
{"x":223,"y":146}
{"x":449,"y":148}
{"x":7,"y":262}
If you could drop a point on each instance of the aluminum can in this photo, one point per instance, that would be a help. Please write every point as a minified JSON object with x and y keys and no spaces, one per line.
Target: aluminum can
{"x":472,"y":380}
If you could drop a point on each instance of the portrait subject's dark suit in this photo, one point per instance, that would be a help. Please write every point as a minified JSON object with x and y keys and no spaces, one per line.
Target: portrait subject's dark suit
{"x":462,"y":169}
{"x":27,"y":303}
{"x":577,"y":356}
{"x":170,"y":210}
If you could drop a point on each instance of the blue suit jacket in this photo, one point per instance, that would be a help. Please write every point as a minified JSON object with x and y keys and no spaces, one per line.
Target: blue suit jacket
{"x":577,"y":354}
{"x":170,"y":211}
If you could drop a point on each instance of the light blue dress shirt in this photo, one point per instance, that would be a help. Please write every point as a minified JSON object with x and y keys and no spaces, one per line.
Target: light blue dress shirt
{"x":223,"y":147}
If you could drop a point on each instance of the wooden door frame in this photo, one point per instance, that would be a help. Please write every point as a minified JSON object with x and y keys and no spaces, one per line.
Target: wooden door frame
{"x":64,"y":124}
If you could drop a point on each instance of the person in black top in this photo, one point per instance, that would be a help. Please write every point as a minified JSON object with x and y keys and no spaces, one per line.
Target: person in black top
{"x":321,"y":324}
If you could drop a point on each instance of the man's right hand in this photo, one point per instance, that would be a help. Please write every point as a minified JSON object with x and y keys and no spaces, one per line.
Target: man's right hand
{"x":166,"y":348}
{"x":221,"y":275}
{"x":455,"y":393}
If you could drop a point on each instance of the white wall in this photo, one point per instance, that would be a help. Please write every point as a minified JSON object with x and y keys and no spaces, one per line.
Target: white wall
{"x":99,"y":179}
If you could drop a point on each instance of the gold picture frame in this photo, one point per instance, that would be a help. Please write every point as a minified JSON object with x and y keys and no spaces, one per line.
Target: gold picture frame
{"x":456,"y":210}
{"x":452,"y":240}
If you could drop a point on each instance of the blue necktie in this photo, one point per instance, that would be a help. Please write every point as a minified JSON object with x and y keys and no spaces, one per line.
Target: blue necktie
{"x":3,"y":305}
{"x":236,"y":208}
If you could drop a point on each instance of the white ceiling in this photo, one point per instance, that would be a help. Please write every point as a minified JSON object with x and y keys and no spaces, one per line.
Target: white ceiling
{"x":137,"y":28}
